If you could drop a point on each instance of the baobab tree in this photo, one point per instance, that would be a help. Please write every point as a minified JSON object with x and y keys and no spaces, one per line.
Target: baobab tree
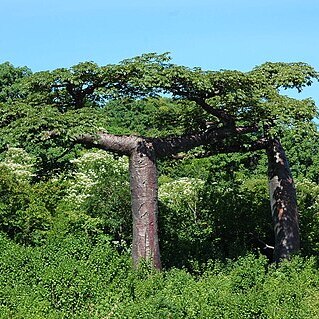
{"x":233,"y":111}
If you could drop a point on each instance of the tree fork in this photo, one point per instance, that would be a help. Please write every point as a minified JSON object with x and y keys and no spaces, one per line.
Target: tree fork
{"x":142,"y":154}
{"x":283,"y":202}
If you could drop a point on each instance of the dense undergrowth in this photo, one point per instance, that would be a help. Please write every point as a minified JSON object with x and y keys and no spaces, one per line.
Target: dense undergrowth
{"x":73,"y":277}
{"x":65,"y":245}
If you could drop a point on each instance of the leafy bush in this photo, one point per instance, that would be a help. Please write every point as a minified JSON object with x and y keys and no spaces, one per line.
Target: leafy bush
{"x":23,"y":215}
{"x":214,"y":216}
{"x":186,"y":229}
{"x":72,"y":277}
{"x":308,"y":205}
{"x":97,"y":198}
{"x":27,"y":209}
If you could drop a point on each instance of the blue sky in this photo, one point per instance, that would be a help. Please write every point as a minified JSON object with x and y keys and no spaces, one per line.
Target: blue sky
{"x":223,"y":34}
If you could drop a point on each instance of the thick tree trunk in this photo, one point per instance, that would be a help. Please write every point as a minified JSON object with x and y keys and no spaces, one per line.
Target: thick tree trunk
{"x":283,"y":202}
{"x":143,"y":178}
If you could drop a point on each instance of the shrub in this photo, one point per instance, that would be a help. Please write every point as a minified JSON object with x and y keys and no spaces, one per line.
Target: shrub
{"x":98,"y":197}
{"x":74,"y":278}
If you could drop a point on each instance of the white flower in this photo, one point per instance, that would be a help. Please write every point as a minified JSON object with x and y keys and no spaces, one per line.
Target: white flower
{"x":19,"y":162}
{"x":181,"y":191}
{"x":91,"y":169}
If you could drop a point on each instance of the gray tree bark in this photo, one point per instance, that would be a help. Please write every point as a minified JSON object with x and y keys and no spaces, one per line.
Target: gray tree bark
{"x":143,"y":182}
{"x":283,"y":202}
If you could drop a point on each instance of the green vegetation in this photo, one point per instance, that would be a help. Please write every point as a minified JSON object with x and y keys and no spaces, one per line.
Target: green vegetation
{"x":66,"y":227}
{"x":71,"y":277}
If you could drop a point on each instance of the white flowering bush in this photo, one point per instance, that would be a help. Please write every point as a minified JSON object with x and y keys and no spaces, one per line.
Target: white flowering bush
{"x":24,"y":211}
{"x":181,"y":194}
{"x":98,"y":196}
{"x":92,"y":168}
{"x":19,"y":162}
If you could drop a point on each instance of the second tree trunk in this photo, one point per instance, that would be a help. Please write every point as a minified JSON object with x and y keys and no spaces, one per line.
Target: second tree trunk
{"x":283,"y":202}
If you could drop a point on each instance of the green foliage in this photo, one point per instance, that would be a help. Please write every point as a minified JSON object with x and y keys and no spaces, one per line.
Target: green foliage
{"x":308,"y":205}
{"x":287,"y":75}
{"x":26,"y":209}
{"x":157,"y":117}
{"x":186,"y":230}
{"x":215,"y":211}
{"x":52,"y":107}
{"x":22,"y":215}
{"x":98,"y":197}
{"x":46,"y":133}
{"x":72,"y":277}
{"x":65,"y":277}
{"x":10,"y":81}
{"x":302,"y":151}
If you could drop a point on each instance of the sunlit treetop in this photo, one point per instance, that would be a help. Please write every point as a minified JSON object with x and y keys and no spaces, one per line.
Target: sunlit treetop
{"x":227,"y":95}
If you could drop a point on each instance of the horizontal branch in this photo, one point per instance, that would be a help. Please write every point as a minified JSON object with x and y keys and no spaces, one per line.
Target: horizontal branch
{"x":221,"y":148}
{"x":173,"y":145}
{"x":123,"y":145}
{"x":162,"y":147}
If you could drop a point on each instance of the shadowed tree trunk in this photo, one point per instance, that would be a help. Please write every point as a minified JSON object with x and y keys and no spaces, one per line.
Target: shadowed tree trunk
{"x":283,"y":202}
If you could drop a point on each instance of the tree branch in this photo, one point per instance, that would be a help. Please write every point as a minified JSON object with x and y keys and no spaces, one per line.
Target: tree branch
{"x":225,"y":118}
{"x":221,"y":148}
{"x":163,"y":147}
{"x":123,"y":145}
{"x":173,"y":145}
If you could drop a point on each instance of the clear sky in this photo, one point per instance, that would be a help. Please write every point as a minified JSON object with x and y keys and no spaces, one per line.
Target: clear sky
{"x":212,"y":34}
